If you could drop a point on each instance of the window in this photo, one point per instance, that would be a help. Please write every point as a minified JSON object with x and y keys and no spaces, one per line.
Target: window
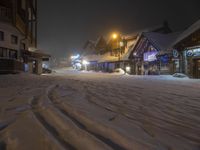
{"x":3,"y":52}
{"x":1,"y":36}
{"x":14,"y":39}
{"x":5,"y":12}
{"x":12,"y":54}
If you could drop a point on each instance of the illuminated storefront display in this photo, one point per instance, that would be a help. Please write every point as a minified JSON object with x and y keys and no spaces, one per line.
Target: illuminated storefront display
{"x":193,"y":52}
{"x":150,"y":56}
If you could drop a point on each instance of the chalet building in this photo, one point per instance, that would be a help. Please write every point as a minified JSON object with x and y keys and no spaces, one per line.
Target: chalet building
{"x":187,"y":47}
{"x":147,"y":57}
{"x":107,"y":57}
{"x":122,"y":48}
{"x":95,"y":47}
{"x":18,"y":37}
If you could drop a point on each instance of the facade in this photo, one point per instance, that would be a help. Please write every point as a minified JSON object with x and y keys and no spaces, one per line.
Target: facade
{"x":18,"y":36}
{"x":150,"y":55}
{"x":109,"y":56}
{"x":188,"y":48}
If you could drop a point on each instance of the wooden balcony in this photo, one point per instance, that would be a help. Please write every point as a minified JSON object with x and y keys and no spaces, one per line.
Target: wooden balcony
{"x":10,"y":66}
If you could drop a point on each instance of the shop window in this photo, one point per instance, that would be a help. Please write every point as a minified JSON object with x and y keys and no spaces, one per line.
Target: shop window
{"x":13,"y":54}
{"x":1,"y":36}
{"x":14,"y":39}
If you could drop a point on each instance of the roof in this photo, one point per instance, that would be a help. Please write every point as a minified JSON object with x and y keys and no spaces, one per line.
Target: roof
{"x":100,"y":58}
{"x":36,"y":54}
{"x":161,"y":41}
{"x":194,"y":27}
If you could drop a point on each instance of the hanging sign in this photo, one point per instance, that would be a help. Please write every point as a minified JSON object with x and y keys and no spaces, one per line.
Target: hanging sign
{"x":175,"y":53}
{"x":193,"y":52}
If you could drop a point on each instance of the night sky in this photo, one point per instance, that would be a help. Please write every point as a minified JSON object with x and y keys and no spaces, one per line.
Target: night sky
{"x":65,"y":25}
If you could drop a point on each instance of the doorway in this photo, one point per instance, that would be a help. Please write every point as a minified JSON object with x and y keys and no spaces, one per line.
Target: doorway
{"x":197,"y":68}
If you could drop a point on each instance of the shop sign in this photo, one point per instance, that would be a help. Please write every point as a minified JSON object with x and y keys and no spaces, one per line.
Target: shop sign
{"x":193,"y":52}
{"x":150,"y":56}
{"x":175,"y":53}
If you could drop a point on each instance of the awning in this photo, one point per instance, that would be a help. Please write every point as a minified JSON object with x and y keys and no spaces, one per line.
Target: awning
{"x":35,"y":55}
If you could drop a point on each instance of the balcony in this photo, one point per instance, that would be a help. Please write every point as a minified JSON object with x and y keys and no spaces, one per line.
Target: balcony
{"x":10,"y":66}
{"x":5,"y":14}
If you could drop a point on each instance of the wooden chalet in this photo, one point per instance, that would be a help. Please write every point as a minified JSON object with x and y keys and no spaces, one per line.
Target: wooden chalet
{"x":187,"y":46}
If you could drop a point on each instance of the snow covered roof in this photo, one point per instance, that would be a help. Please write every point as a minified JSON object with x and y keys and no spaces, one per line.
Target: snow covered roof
{"x":188,"y":32}
{"x":126,"y":55}
{"x":108,"y":58}
{"x":161,"y":41}
{"x":100,"y":58}
{"x":130,"y":36}
{"x":91,"y":58}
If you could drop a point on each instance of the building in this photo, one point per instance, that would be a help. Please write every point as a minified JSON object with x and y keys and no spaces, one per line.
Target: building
{"x":18,"y":37}
{"x":187,"y":46}
{"x":109,"y":56}
{"x":150,"y":55}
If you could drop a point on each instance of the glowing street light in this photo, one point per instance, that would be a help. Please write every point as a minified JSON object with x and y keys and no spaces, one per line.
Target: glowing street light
{"x":75,"y":57}
{"x":114,"y":36}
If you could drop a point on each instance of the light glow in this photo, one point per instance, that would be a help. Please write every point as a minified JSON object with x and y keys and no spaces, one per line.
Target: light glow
{"x":85,"y":62}
{"x":75,"y":57}
{"x":128,"y":69}
{"x":114,"y":36}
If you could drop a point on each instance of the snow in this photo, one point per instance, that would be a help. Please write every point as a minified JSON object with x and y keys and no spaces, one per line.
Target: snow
{"x":161,"y":41}
{"x":86,"y":110}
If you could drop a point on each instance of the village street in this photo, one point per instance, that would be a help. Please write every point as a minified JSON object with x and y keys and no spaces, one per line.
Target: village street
{"x":96,"y":111}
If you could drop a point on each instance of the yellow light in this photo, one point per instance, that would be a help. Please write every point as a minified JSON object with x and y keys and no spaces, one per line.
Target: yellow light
{"x":114,"y":36}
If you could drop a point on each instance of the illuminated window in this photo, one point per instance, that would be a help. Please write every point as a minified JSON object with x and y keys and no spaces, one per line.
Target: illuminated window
{"x":14,"y":39}
{"x":1,"y":36}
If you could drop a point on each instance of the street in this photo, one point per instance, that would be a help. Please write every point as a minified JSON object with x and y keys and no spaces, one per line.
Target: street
{"x":95,"y":111}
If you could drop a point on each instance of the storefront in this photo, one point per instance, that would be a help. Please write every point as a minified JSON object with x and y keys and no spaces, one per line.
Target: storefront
{"x":188,"y":47}
{"x":192,"y":61}
{"x":150,"y":65}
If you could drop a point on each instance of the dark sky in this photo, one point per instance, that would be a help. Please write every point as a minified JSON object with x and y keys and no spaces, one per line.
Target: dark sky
{"x":65,"y":25}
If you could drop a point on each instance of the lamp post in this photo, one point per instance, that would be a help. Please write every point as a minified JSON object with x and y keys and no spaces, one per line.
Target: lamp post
{"x":120,"y":44}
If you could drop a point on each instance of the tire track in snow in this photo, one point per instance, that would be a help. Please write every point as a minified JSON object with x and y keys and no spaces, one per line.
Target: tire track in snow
{"x":49,"y":127}
{"x":105,"y":140}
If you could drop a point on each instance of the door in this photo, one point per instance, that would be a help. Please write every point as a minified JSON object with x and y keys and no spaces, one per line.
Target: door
{"x":197,"y":68}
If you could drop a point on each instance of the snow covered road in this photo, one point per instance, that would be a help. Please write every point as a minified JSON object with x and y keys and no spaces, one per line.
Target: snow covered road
{"x":89,"y":111}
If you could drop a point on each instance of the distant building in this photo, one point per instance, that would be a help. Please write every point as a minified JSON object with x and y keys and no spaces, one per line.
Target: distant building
{"x":95,"y":47}
{"x":18,"y":37}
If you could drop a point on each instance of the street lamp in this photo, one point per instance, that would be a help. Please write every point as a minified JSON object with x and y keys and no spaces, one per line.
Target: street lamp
{"x":120,"y":44}
{"x":114,"y":36}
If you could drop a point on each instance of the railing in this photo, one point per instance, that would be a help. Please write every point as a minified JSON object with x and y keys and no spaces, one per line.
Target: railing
{"x":10,"y":66}
{"x":5,"y":14}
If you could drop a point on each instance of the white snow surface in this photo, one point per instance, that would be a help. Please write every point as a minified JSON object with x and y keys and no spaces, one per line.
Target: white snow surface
{"x":88,"y":110}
